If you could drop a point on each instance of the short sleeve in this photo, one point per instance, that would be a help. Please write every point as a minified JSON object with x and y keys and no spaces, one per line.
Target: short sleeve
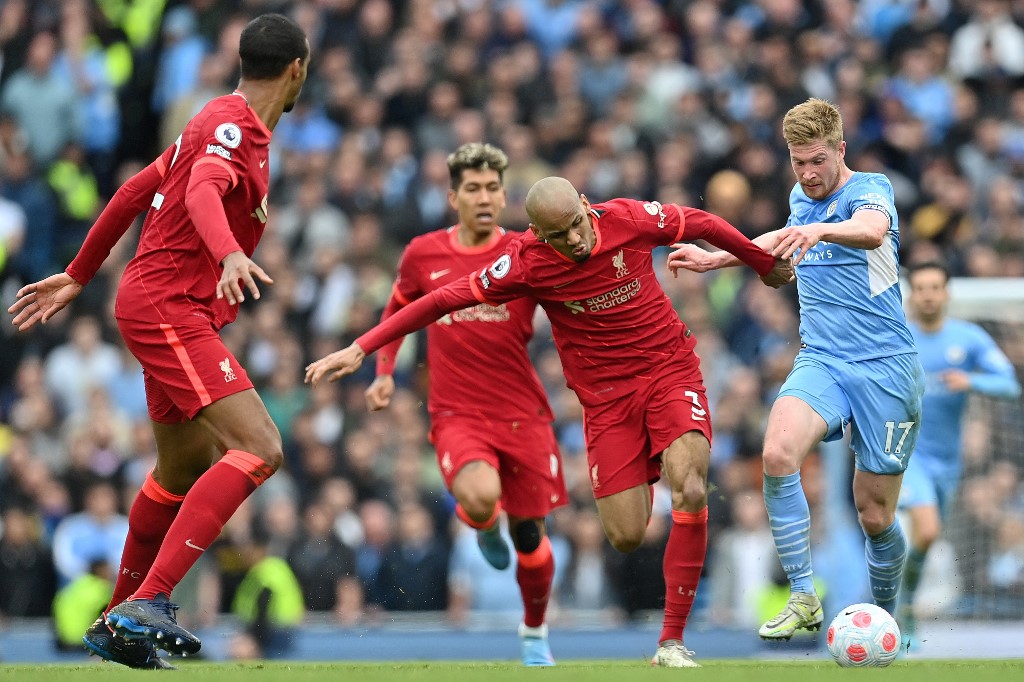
{"x":874,"y":194}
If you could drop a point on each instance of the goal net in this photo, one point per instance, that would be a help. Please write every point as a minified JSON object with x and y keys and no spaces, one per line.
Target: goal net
{"x":976,"y":570}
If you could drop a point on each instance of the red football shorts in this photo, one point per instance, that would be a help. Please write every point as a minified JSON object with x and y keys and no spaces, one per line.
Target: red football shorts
{"x":186,"y":367}
{"x":626,"y":436}
{"x":524,"y":453}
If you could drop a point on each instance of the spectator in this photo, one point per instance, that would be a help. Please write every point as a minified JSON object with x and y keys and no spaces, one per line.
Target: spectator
{"x":413,"y":575}
{"x":80,"y":602}
{"x":97,"y":532}
{"x":268,"y":600}
{"x":42,"y":103}
{"x":26,"y":566}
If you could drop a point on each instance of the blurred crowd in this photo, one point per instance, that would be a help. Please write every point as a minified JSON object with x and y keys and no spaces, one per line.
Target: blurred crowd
{"x":674,"y":100}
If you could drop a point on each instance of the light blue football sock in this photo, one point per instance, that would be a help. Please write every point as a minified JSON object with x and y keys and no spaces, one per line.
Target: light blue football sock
{"x":790,"y":520}
{"x":886,"y":555}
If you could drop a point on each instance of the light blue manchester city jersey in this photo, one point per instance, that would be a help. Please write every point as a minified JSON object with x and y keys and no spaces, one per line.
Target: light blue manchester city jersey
{"x":850,"y":301}
{"x":963,"y":346}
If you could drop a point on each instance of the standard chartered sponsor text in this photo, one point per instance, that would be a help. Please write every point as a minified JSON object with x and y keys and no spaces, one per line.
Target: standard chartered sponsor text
{"x":616,"y":296}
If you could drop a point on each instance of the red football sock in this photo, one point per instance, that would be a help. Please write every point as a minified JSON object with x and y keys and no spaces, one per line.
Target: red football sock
{"x":684,"y":561}
{"x":151,"y":515}
{"x":207,"y":507}
{"x":478,"y":525}
{"x":534,"y":572}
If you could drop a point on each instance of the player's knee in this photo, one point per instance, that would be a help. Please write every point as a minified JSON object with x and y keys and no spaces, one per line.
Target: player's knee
{"x":875,"y":520}
{"x":266,"y":444}
{"x":527,"y":536}
{"x":625,"y":540}
{"x":478,"y":504}
{"x":778,"y":461}
{"x":926,"y":536}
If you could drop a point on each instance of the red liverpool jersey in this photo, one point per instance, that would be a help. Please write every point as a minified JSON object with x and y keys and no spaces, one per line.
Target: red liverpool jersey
{"x":174,"y":274}
{"x":612,"y":322}
{"x":477,"y":356}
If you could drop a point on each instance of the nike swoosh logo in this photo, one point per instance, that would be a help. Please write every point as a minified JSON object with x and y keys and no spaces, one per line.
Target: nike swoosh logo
{"x":263,"y":163}
{"x":188,"y":543}
{"x":439,"y":273}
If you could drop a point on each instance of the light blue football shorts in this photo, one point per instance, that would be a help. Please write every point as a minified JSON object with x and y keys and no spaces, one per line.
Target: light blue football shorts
{"x":928,"y":484}
{"x":880,"y":398}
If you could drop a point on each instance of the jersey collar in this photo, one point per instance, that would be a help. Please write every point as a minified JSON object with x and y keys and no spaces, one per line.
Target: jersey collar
{"x":453,"y":239}
{"x":259,"y":122}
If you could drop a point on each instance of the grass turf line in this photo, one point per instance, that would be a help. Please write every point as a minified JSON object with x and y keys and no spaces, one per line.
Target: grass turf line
{"x":591,"y":671}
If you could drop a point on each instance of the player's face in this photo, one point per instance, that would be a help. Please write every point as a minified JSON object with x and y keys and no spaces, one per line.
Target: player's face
{"x":479,"y":200}
{"x":817,"y":167}
{"x":928,"y":295}
{"x":571,"y":233}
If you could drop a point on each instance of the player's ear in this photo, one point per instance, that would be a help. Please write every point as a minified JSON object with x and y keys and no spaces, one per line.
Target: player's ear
{"x":537,"y":234}
{"x":452,"y":199}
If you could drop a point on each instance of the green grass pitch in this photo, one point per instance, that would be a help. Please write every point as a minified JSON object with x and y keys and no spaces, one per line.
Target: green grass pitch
{"x":590,"y":671}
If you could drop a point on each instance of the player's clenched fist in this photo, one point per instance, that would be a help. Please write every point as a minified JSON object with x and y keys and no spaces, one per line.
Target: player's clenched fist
{"x":780,"y":275}
{"x":378,"y":394}
{"x":337,"y":364}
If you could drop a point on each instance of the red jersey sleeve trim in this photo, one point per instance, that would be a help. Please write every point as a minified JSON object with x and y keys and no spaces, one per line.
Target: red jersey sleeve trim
{"x":478,"y":293}
{"x":161,"y":167}
{"x":220,"y":162}
{"x":682,"y":223}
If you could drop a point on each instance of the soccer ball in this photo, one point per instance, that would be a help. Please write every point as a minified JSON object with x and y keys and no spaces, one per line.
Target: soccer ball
{"x":863,"y":636}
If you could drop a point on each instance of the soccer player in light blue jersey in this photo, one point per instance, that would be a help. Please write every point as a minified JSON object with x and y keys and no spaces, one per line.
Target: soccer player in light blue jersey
{"x":958,"y":358}
{"x":857,"y":366}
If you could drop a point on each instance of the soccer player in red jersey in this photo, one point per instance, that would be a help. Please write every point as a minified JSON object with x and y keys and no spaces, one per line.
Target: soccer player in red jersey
{"x":207,"y":200}
{"x":496,"y":448}
{"x":625,"y":353}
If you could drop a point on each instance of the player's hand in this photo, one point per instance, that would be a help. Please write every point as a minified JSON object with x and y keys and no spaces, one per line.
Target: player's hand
{"x":692,"y":258}
{"x":782,"y":274}
{"x":956,"y":380}
{"x":378,"y":394}
{"x":238,"y":268}
{"x":793,"y":239}
{"x":40,"y":301}
{"x":338,"y":364}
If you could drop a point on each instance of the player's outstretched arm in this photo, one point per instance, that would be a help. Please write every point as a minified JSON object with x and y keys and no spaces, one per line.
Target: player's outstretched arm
{"x":695,"y":259}
{"x":336,"y":365}
{"x":866,"y":229}
{"x":131,"y":199}
{"x":416,"y":315}
{"x":39,"y":301}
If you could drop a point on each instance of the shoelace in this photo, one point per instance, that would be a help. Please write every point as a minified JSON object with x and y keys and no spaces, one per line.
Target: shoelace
{"x":166,"y":608}
{"x":682,"y":648}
